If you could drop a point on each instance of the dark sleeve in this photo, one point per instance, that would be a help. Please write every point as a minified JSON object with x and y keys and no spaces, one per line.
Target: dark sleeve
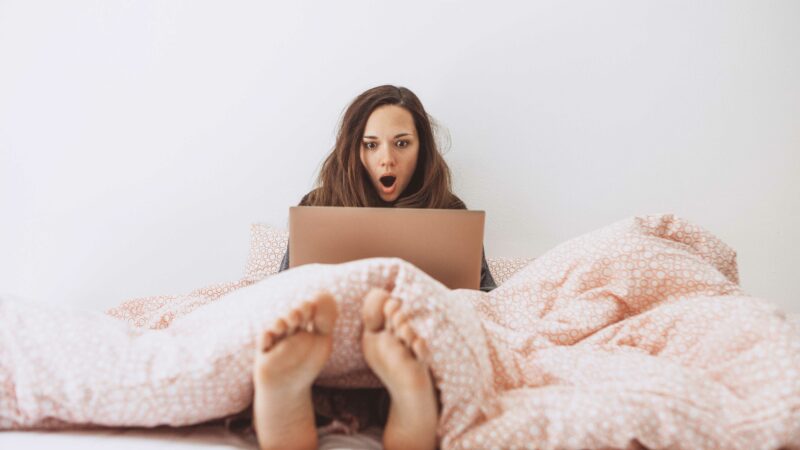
{"x":487,"y":281}
{"x":285,"y":260}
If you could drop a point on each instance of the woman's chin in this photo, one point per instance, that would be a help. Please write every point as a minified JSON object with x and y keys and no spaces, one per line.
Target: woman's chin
{"x":389,"y":198}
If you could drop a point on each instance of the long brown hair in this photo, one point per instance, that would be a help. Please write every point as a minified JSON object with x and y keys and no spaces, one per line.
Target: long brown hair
{"x":343,"y":180}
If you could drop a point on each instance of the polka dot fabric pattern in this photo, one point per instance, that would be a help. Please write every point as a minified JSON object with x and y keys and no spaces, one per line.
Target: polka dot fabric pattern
{"x":504,"y":268}
{"x":633,"y":336}
{"x":267,"y":247}
{"x":159,"y":311}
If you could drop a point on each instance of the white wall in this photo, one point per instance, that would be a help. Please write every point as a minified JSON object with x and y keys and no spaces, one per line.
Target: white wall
{"x":139,"y":139}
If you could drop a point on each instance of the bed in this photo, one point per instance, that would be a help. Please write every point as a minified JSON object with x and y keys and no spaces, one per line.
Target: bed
{"x":718,"y":287}
{"x":164,"y":438}
{"x":200,"y":437}
{"x":266,"y":251}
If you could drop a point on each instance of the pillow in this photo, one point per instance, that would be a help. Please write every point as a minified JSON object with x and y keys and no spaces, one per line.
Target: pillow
{"x":268,"y":245}
{"x":503,"y":268}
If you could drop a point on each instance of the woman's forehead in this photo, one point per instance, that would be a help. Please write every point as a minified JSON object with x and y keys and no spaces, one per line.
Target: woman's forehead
{"x":389,"y":121}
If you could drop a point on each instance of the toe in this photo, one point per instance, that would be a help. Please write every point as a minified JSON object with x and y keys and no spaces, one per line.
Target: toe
{"x":324,"y":313}
{"x":372,"y":311}
{"x":397,"y":320}
{"x":306,"y":313}
{"x":420,"y":349}
{"x":280,"y":328}
{"x":293,"y":320}
{"x":390,"y":309}
{"x":406,"y":334}
{"x":265,"y":341}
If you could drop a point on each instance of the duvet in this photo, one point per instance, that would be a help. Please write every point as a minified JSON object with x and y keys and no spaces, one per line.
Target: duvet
{"x":636,"y":335}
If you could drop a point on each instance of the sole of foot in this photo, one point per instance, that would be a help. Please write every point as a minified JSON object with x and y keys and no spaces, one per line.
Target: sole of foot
{"x":398,"y":356}
{"x":288,"y":357}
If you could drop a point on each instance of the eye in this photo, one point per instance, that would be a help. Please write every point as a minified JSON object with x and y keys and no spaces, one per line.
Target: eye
{"x":369,"y":145}
{"x":402,"y":144}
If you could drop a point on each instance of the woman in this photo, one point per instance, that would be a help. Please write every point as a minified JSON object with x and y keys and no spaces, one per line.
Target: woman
{"x":404,"y":170}
{"x":385,"y":156}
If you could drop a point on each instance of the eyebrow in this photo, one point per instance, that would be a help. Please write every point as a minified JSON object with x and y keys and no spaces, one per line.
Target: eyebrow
{"x":396,"y":136}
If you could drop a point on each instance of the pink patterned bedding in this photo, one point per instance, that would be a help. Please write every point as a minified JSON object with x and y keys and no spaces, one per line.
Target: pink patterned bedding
{"x":635,"y":335}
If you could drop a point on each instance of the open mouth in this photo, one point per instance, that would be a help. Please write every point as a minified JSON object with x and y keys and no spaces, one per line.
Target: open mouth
{"x":387,"y":180}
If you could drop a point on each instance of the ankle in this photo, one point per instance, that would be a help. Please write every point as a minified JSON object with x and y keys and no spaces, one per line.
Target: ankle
{"x":412,"y":383}
{"x":285,"y":385}
{"x":395,"y":439}
{"x":285,"y":420}
{"x":308,"y":441}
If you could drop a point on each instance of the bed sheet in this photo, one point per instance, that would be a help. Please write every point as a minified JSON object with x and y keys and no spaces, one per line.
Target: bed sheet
{"x":635,"y":333}
{"x":166,"y":438}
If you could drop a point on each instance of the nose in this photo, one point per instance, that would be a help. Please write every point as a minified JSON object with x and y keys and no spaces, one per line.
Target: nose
{"x":386,"y":157}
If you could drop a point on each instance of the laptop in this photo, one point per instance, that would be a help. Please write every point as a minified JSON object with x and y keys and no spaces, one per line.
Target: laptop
{"x":447,"y":244}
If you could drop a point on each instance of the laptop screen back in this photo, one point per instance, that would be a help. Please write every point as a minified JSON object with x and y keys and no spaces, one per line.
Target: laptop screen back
{"x":447,"y":244}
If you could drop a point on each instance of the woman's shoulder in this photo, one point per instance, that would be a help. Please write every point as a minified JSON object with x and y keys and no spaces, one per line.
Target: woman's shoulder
{"x":309,"y":199}
{"x":457,"y":203}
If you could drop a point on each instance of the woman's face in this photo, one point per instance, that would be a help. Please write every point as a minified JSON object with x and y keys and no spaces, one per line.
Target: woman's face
{"x":389,"y":150}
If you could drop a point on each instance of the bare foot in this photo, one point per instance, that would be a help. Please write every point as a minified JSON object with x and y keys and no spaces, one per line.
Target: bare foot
{"x":288,"y":358}
{"x":398,"y":357}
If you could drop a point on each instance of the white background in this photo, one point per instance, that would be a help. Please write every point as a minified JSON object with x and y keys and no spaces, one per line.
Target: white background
{"x":139,"y":139}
